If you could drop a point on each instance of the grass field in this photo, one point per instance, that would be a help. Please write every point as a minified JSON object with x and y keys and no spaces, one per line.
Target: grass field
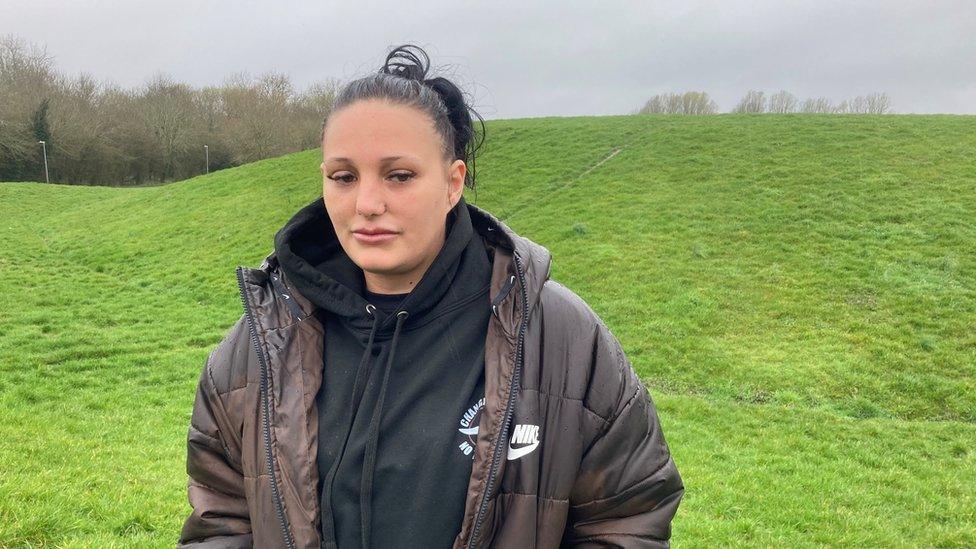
{"x":798,"y":292}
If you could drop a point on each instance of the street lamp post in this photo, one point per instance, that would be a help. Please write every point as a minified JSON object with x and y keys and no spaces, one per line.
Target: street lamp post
{"x":206,"y":149}
{"x":46,"y":176}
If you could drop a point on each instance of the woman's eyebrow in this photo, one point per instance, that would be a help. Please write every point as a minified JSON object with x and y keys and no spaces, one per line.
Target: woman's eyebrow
{"x":384,"y":160}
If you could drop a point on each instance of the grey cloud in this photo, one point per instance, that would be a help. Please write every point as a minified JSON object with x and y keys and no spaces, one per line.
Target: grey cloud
{"x":535,"y":59}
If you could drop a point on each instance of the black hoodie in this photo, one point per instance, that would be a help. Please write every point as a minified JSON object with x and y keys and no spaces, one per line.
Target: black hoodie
{"x":394,"y":454}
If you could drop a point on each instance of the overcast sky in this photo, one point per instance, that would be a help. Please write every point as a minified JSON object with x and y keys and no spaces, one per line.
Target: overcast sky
{"x":522,"y":59}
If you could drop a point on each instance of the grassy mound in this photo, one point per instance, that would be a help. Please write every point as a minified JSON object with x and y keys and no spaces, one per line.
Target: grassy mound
{"x":798,"y":292}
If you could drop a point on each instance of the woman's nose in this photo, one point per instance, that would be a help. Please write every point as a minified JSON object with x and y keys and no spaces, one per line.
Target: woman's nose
{"x":370,"y":199}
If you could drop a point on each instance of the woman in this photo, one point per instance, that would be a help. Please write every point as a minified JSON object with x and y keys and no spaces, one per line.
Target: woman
{"x":406,"y":374}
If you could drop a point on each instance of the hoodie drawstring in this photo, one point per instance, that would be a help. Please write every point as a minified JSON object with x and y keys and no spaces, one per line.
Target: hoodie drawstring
{"x":359,"y":387}
{"x":369,"y":461}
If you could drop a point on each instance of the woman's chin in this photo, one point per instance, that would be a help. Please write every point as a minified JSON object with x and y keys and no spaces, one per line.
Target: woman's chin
{"x":377,"y":261}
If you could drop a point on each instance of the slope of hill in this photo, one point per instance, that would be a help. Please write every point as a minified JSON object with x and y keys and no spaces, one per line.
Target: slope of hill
{"x":798,"y":292}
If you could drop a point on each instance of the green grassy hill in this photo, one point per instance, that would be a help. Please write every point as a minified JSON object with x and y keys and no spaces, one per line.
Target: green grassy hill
{"x":798,"y":292}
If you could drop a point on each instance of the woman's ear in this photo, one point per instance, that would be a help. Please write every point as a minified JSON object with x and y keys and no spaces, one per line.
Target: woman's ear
{"x":458,"y":171}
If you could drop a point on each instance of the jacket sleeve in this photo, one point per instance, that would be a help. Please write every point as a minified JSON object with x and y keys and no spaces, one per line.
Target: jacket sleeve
{"x":628,"y":488}
{"x":215,"y":488}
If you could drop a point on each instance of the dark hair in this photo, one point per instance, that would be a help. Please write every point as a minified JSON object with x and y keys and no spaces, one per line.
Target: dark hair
{"x":403,"y":80}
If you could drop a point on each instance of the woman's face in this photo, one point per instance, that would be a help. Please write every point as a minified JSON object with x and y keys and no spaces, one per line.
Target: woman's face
{"x":383,"y":170}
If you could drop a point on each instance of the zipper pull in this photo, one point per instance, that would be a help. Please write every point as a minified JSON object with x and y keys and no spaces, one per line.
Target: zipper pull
{"x":502,"y":294}
{"x":279,"y":287}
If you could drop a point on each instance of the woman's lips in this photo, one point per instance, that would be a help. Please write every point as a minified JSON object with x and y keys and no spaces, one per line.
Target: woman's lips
{"x":374,"y":238}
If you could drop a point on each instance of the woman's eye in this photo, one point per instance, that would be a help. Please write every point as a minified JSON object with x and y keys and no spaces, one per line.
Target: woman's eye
{"x":402,"y":177}
{"x":346,"y":179}
{"x":341,"y":178}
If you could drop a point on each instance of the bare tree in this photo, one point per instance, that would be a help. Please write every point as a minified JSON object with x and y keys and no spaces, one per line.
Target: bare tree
{"x":697,"y":102}
{"x":690,"y":102}
{"x":256,"y":116}
{"x":878,"y":103}
{"x":78,"y":128}
{"x":874,"y":103}
{"x":817,"y":105}
{"x":783,"y":102}
{"x":672,"y":103}
{"x":168,"y":112}
{"x":753,"y":102}
{"x":312,"y":106}
{"x":26,"y":81}
{"x":654,"y":105}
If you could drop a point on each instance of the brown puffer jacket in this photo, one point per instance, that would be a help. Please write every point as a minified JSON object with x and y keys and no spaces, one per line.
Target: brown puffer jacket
{"x":555,"y":377}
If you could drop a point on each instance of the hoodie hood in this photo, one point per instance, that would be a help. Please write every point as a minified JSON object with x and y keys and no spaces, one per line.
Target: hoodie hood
{"x":508,"y":251}
{"x":313,"y":259}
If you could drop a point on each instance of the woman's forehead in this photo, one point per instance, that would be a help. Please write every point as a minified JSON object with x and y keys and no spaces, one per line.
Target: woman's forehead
{"x":382,"y":125}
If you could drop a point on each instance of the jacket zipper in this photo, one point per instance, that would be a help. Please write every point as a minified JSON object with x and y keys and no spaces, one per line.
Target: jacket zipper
{"x":266,"y":423}
{"x":509,"y":408}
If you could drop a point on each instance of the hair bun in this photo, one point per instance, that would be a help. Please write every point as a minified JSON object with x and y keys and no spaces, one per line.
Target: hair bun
{"x":403,"y":62}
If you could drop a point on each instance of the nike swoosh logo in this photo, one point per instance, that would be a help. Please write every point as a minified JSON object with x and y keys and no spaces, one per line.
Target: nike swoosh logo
{"x":471,"y":431}
{"x":515,"y":453}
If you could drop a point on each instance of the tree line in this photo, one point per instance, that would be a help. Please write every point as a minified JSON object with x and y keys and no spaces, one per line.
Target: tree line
{"x":163,"y":131}
{"x":755,"y":101}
